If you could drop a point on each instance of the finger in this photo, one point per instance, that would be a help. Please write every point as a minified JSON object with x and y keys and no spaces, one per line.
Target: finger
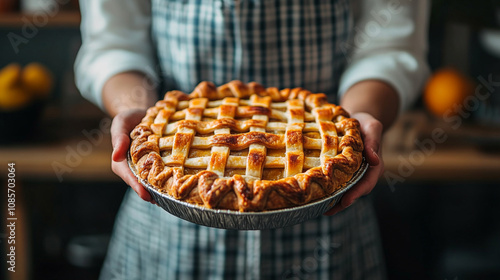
{"x":126,"y":121}
{"x":119,"y":138}
{"x":372,"y":135}
{"x":117,"y":129}
{"x":335,"y":209}
{"x":120,"y":147}
{"x":122,"y":124}
{"x":372,"y":157}
{"x":120,"y":129}
{"x":122,"y":170}
{"x":371,"y":131}
{"x":362,"y":188}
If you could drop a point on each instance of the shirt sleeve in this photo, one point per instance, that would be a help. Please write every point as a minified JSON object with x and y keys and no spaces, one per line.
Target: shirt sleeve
{"x":390,"y":44}
{"x":115,"y":39}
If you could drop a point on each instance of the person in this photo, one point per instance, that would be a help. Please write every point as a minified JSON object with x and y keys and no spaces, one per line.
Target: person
{"x":369,"y":55}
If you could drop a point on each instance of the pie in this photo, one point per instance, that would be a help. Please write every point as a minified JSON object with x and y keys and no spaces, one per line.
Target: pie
{"x":245,"y":147}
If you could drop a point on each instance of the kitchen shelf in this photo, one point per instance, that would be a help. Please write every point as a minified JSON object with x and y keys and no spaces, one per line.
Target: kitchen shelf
{"x":61,"y":19}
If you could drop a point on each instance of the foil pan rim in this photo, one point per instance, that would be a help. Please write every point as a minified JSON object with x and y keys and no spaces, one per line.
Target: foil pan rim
{"x":325,"y":204}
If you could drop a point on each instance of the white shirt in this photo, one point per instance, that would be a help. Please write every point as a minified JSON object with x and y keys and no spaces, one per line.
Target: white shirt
{"x":390,"y":44}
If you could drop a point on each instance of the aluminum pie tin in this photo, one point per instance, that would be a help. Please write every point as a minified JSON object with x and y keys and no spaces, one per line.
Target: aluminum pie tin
{"x":229,"y":219}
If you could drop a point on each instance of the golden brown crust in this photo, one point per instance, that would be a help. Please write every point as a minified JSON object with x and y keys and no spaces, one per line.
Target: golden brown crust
{"x":239,"y":117}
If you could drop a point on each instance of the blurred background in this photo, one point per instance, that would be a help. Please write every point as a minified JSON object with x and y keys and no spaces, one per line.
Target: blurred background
{"x":437,"y":202}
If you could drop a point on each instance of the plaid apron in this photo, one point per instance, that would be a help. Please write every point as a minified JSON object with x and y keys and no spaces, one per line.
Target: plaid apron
{"x":281,"y":43}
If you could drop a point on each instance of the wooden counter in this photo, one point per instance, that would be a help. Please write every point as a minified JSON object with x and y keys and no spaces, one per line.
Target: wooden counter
{"x":419,"y":147}
{"x":65,"y":19}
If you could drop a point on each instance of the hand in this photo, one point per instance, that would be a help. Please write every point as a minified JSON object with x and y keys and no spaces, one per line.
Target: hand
{"x":122,"y":125}
{"x":371,"y":132}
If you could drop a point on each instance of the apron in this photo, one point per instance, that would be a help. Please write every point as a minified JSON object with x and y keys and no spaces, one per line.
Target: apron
{"x":282,"y":43}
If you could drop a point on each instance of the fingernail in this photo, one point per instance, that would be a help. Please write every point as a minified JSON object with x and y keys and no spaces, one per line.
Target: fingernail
{"x":376,"y":155}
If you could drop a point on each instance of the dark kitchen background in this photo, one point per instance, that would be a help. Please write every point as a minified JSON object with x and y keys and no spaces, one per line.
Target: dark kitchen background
{"x":438,"y":213}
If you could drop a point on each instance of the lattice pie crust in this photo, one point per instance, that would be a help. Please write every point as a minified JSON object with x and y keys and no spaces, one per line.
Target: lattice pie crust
{"x":245,"y":147}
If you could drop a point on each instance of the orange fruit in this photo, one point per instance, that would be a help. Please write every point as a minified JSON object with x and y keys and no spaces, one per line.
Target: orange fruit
{"x":12,"y":95}
{"x":446,"y":89}
{"x":37,"y":80}
{"x":10,"y":76}
{"x":13,"y":98}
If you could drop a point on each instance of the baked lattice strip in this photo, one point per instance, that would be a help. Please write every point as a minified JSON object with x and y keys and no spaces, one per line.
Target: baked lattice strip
{"x":257,"y":152}
{"x":206,"y":127}
{"x":327,"y":131}
{"x":244,"y":102}
{"x":293,"y":138}
{"x":240,"y":162}
{"x":241,"y":141}
{"x":243,"y":112}
{"x":166,"y":108}
{"x":218,"y":160}
{"x":184,"y":136}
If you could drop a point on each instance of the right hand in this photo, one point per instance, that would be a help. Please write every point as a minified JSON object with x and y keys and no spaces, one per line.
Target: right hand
{"x":123,"y":124}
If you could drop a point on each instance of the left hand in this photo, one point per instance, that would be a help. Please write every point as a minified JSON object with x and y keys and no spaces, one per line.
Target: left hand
{"x":123,"y":124}
{"x":371,"y":132}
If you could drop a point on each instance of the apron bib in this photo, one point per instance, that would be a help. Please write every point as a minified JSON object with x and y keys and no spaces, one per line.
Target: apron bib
{"x":282,"y":43}
{"x":279,"y":43}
